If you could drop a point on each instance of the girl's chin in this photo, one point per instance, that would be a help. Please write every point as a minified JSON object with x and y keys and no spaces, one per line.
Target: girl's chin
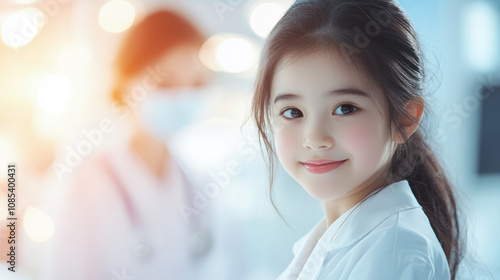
{"x":323,"y":193}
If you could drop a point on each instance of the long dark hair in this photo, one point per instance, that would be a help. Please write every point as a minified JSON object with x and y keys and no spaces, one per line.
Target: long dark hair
{"x":147,"y":41}
{"x":379,"y":39}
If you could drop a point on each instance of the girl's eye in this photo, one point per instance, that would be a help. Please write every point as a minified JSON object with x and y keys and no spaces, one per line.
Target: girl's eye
{"x":345,"y":109}
{"x":292,"y":113}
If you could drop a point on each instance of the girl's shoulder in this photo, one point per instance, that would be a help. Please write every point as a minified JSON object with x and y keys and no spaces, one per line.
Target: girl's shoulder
{"x":403,"y":246}
{"x":390,"y":230}
{"x":404,"y":235}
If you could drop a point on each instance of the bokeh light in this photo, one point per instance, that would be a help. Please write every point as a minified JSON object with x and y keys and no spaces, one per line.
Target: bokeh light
{"x":232,"y":53}
{"x":54,"y":94}
{"x":265,"y":16}
{"x":8,"y":152}
{"x":116,"y":16}
{"x":38,"y":225}
{"x":21,"y":27}
{"x":482,"y":35}
{"x":211,"y":143}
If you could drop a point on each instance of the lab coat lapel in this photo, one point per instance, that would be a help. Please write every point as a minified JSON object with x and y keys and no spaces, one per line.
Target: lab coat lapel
{"x":350,"y":227}
{"x":315,"y":260}
{"x":394,"y":198}
{"x":302,"y":251}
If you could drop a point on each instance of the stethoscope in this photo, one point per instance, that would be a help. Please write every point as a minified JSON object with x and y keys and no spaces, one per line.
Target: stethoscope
{"x":200,"y":238}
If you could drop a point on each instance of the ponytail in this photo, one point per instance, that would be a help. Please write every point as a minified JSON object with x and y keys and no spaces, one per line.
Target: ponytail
{"x":415,"y":162}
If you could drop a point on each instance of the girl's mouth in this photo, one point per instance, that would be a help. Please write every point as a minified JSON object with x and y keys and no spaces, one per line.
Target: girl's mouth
{"x":321,"y":166}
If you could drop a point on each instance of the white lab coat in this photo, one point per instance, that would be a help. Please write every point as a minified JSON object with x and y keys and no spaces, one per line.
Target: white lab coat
{"x":96,"y":238}
{"x":387,"y":237}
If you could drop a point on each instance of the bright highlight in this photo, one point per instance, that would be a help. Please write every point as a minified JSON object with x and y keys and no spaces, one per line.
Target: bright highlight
{"x":21,"y":28}
{"x":229,"y":53}
{"x":116,"y":16}
{"x":38,"y":225}
{"x":54,"y":94}
{"x":481,"y":34}
{"x":264,"y":17}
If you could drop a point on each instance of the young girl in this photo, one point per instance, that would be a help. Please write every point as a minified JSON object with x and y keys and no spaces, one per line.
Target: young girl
{"x":339,"y":99}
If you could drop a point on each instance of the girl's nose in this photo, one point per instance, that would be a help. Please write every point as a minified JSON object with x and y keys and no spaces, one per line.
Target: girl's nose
{"x":317,"y":138}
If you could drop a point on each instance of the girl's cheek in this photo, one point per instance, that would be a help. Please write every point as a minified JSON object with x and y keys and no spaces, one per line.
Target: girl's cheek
{"x":363,"y":141}
{"x":285,"y":141}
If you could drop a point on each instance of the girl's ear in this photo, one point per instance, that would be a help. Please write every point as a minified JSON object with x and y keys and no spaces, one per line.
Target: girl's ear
{"x":414,"y":109}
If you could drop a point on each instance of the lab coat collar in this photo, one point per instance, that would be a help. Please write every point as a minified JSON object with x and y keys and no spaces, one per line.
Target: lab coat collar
{"x":350,"y":227}
{"x":363,"y":217}
{"x":360,"y":219}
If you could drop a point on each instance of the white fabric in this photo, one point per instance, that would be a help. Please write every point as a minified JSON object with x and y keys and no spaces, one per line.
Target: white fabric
{"x":94,"y":237}
{"x":387,"y":237}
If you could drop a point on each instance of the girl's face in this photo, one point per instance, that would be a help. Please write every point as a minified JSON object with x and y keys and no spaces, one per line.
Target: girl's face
{"x":331,"y":129}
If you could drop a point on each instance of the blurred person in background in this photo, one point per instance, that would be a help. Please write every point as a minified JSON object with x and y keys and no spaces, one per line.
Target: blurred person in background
{"x":121,"y":215}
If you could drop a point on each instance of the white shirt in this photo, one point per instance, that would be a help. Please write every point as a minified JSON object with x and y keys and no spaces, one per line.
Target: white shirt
{"x":386,"y":237}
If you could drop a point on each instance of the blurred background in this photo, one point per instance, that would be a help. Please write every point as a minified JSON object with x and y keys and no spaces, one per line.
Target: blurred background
{"x":56,"y":58}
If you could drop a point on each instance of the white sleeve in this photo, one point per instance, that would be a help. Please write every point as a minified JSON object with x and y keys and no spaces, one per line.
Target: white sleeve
{"x":394,"y":269}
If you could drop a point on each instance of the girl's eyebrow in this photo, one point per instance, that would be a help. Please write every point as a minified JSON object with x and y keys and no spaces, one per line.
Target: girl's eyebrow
{"x":342,"y":91}
{"x":349,"y":91}
{"x":285,"y":96}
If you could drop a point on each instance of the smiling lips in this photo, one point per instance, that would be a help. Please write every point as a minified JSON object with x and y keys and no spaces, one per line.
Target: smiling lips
{"x":321,"y":166}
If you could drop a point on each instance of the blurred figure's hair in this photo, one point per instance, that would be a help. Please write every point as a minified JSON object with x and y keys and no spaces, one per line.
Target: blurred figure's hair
{"x":148,"y":41}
